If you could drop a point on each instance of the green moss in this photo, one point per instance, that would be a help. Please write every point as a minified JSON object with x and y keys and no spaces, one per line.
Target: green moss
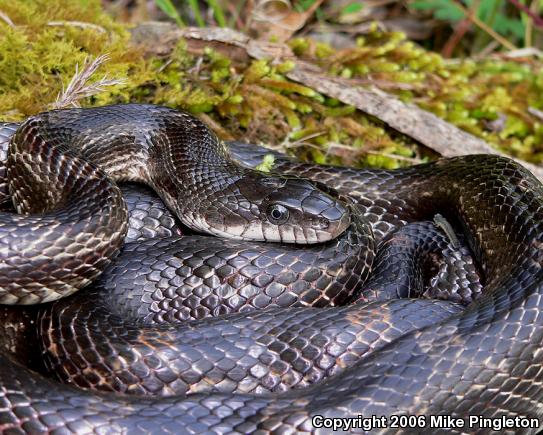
{"x":267,"y":163}
{"x":255,"y":101}
{"x":469,"y":94}
{"x":37,"y":58}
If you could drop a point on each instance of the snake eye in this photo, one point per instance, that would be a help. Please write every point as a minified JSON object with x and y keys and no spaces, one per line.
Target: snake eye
{"x":277,"y":214}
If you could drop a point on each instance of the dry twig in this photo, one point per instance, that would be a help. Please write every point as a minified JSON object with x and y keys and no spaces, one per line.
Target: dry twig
{"x":79,"y":24}
{"x":79,"y":88}
{"x":7,"y":19}
{"x":536,"y":113}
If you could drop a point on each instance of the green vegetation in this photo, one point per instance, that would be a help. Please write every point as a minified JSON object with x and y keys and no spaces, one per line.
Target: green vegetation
{"x":491,"y":17}
{"x":169,"y":9}
{"x":490,"y":98}
{"x":493,"y":99}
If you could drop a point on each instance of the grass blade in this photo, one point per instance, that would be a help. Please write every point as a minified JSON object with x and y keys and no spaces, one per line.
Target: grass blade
{"x":169,"y":9}
{"x":217,"y":12}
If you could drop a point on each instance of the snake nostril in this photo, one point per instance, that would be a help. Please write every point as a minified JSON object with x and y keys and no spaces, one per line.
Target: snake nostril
{"x":322,"y":223}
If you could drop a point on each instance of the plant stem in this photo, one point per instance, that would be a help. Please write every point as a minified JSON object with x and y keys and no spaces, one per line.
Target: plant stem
{"x":473,"y":17}
{"x":196,"y":11}
{"x":235,"y":20}
{"x":537,"y":20}
{"x":217,"y":12}
{"x":459,"y":31}
{"x":528,"y":26}
{"x":169,"y":9}
{"x":489,"y":21}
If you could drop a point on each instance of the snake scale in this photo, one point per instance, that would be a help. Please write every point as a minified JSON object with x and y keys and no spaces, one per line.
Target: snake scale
{"x":242,"y":369}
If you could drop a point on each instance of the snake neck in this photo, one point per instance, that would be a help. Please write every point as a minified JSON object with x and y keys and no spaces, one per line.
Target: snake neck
{"x":190,"y":169}
{"x":153,"y":145}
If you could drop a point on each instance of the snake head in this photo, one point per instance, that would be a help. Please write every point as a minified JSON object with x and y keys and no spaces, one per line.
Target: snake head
{"x":297,"y":212}
{"x":280,"y":209}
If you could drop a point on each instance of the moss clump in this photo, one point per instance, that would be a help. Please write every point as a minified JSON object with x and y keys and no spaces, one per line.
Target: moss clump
{"x":489,"y":98}
{"x":254,"y":100}
{"x":39,"y":54}
{"x":267,"y":163}
{"x":251,"y":100}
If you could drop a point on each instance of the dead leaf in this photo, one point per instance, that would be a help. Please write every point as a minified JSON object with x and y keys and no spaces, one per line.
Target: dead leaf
{"x":278,"y":20}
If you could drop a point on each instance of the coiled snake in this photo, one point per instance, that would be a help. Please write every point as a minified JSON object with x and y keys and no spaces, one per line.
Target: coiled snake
{"x":244,"y":371}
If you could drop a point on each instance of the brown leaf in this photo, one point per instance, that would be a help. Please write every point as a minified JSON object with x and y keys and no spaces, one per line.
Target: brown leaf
{"x":278,"y":20}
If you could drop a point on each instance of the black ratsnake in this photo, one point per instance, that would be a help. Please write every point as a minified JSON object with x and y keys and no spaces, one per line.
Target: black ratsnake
{"x":433,"y":358}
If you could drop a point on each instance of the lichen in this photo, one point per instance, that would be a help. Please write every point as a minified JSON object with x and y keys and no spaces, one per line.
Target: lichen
{"x":267,"y":163}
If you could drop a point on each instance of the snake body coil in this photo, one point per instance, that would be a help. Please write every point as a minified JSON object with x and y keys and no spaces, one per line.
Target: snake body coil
{"x":381,"y":358}
{"x":161,"y":147}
